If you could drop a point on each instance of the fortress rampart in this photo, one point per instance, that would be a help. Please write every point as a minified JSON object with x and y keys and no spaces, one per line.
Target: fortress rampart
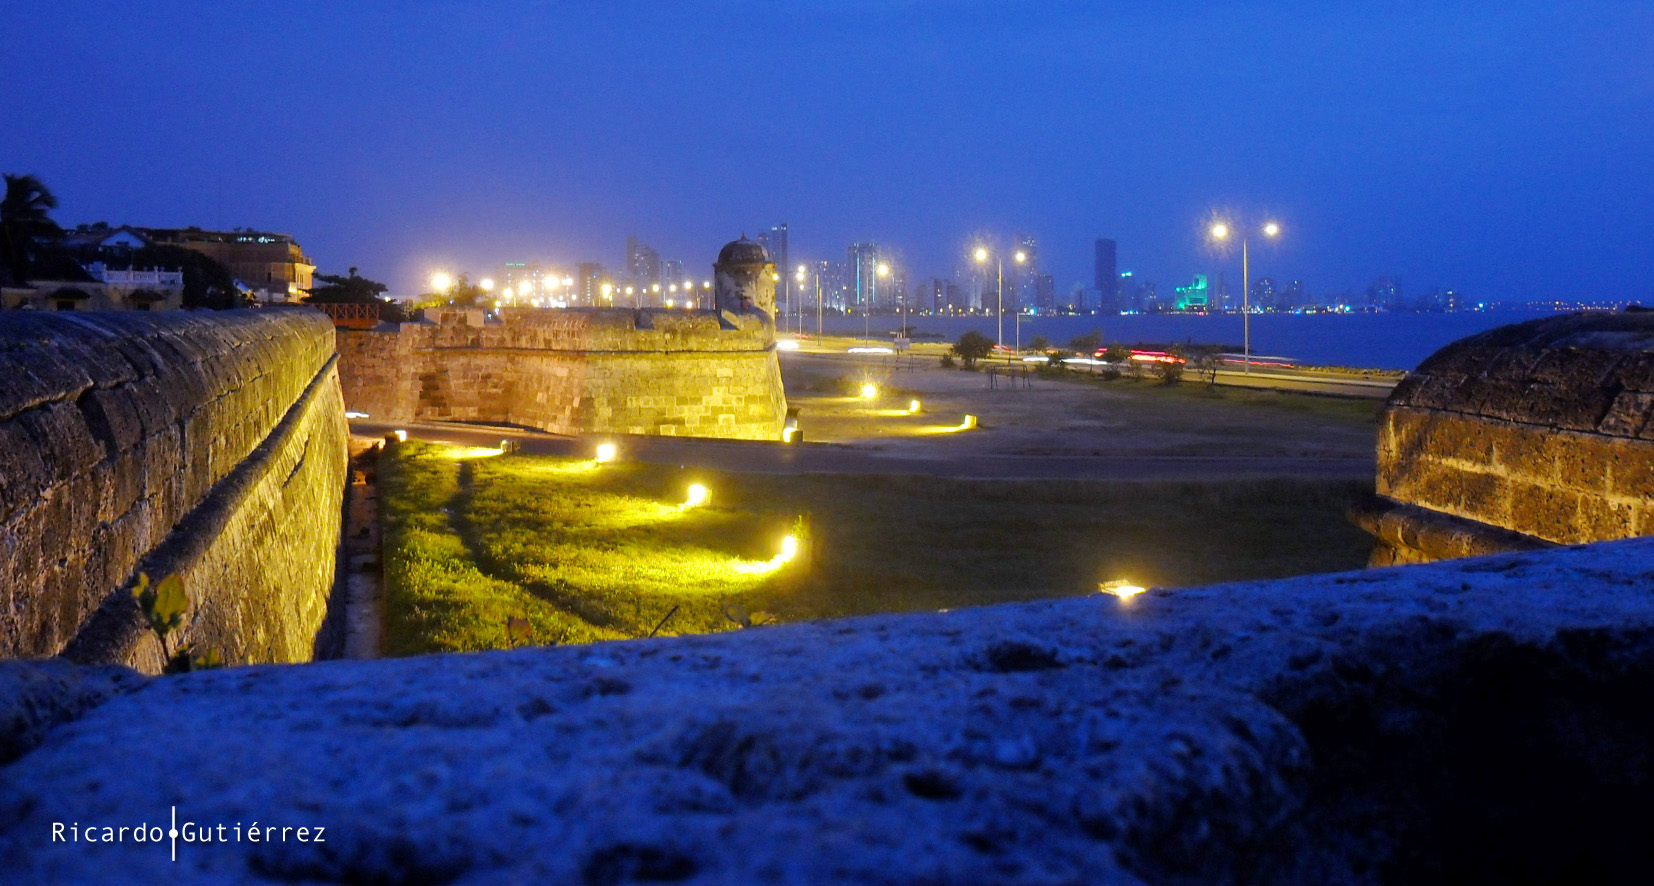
{"x":1525,"y":436}
{"x":208,"y":445}
{"x":598,"y":370}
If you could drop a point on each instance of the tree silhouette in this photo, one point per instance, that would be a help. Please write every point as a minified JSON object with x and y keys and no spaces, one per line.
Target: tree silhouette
{"x":971,"y":347}
{"x":334,"y":289}
{"x":24,"y":218}
{"x":207,"y":282}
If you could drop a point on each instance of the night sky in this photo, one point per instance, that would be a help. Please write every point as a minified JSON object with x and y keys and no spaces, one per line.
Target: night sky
{"x":1499,"y":148}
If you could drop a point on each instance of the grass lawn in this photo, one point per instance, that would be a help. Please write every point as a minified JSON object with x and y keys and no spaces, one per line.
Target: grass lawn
{"x":588,"y":553}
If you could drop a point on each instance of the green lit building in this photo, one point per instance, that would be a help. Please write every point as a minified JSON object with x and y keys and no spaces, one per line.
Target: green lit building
{"x":1195,"y":296}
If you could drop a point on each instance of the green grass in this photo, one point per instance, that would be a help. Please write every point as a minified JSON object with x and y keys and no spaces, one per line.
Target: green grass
{"x":588,"y":554}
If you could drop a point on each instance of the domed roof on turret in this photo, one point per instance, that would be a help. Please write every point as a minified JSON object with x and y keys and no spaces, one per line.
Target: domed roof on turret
{"x":743,"y":251}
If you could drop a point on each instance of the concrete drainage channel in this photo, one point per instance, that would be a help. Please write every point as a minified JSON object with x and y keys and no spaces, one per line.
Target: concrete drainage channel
{"x":362,"y":572}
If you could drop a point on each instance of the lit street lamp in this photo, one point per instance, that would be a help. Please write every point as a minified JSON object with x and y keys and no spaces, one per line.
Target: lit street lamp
{"x":1221,"y":232}
{"x":440,"y":282}
{"x":881,"y":270}
{"x":999,"y":309}
{"x":798,"y":309}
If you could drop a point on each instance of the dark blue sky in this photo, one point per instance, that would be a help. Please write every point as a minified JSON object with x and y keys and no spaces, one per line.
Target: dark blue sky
{"x":1499,"y":148}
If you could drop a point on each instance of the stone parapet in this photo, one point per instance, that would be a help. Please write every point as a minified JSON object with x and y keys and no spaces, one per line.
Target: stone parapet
{"x":574,"y":372}
{"x":1545,"y":429}
{"x":1454,"y":722}
{"x":117,"y":429}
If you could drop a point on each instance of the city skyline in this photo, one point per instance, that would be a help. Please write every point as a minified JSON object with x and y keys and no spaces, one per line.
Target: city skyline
{"x":1393,"y":142}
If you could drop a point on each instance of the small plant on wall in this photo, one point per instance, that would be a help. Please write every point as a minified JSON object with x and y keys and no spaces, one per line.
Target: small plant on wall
{"x":163,"y":605}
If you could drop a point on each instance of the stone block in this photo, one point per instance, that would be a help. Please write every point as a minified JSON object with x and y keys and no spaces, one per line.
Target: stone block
{"x":1628,"y":414}
{"x":66,"y":445}
{"x":1601,"y":517}
{"x":1635,"y":373}
{"x":25,"y":475}
{"x":1631,"y":473}
{"x":1485,"y":497}
{"x":1543,"y":511}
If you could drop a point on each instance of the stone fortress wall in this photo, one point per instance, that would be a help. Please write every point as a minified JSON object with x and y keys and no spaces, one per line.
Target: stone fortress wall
{"x":212,"y":445}
{"x":1525,"y":436}
{"x":576,"y":371}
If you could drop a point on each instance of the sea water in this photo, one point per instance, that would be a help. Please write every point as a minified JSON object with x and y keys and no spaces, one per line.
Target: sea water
{"x":1374,"y":341}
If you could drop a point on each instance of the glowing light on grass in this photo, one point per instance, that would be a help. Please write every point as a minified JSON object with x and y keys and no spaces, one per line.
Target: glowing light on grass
{"x":913,"y":407}
{"x":697,"y":496}
{"x":1122,"y":588}
{"x":401,"y":435}
{"x":605,"y":453}
{"x":969,"y":424}
{"x":789,"y":550}
{"x":461,"y":453}
{"x":869,"y":391}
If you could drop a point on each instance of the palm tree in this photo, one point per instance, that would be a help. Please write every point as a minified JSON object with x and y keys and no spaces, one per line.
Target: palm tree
{"x":23,"y":217}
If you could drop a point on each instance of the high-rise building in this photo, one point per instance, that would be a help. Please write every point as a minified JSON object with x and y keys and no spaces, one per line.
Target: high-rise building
{"x":835,"y":287}
{"x":1196,"y":296}
{"x":1045,"y":293}
{"x":1385,"y":292}
{"x":1264,"y":295}
{"x":930,"y":294}
{"x":642,"y":264}
{"x":863,"y":267}
{"x":672,"y":272}
{"x":774,"y":242}
{"x":1104,"y":265}
{"x":588,"y":284}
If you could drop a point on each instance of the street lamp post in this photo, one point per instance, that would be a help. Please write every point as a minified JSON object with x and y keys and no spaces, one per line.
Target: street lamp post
{"x":798,"y":308}
{"x":1220,"y":231}
{"x":879,"y":270}
{"x":999,"y":298}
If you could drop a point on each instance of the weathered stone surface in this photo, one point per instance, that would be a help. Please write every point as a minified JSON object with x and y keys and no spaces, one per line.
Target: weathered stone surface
{"x":571,"y":372}
{"x":1451,"y":722}
{"x":125,"y":425}
{"x":1542,"y":428}
{"x":37,"y":696}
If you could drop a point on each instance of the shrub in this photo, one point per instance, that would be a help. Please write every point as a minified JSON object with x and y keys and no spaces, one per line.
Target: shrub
{"x":971,"y":347}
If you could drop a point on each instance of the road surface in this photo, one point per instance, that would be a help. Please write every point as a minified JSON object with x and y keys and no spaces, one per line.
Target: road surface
{"x":816,"y":458}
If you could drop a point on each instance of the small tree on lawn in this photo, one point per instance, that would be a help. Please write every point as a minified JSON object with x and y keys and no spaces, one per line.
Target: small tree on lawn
{"x":1171,"y":371}
{"x":971,"y":347}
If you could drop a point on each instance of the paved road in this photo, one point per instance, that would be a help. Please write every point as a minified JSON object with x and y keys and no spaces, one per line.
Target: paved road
{"x":775,"y":458}
{"x":1341,"y":384}
{"x":1332,"y":382}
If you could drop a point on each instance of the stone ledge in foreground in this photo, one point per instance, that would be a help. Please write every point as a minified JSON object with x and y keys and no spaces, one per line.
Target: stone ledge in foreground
{"x":1472,"y":719}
